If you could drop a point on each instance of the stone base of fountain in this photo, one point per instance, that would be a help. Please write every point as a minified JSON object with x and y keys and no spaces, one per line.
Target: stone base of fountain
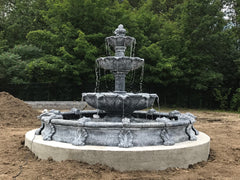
{"x":141,"y":128}
{"x":161,"y":157}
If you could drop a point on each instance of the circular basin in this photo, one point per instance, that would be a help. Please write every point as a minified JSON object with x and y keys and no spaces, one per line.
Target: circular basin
{"x":119,"y":104}
{"x":120,"y":64}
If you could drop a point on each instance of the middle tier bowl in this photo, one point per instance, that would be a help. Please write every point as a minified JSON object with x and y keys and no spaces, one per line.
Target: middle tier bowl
{"x":119,"y":104}
{"x":120,"y":64}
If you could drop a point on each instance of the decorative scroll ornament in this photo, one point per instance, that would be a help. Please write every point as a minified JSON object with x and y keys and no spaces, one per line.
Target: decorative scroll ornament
{"x":182,"y":117}
{"x":191,"y":133}
{"x":47,"y":129}
{"x":174,"y":114}
{"x":80,"y":137}
{"x":196,"y":131}
{"x":52,"y":114}
{"x":165,"y":137}
{"x":125,"y":139}
{"x":48,"y":132}
{"x":39,"y":130}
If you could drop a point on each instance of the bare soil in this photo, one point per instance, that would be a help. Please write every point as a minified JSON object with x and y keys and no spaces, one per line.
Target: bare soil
{"x":17,"y":162}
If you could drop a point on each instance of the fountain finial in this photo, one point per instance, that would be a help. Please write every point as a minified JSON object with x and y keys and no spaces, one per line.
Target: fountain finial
{"x":120,"y":31}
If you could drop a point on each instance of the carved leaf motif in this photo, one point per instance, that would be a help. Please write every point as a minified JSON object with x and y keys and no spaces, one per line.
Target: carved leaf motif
{"x":80,"y":137}
{"x":125,"y":139}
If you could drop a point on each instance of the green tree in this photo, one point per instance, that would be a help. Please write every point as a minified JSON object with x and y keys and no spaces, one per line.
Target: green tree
{"x":13,"y":63}
{"x":46,"y":69}
{"x":159,"y":70}
{"x":18,"y":17}
{"x":235,"y":102}
{"x":11,"y":68}
{"x":202,"y":27}
{"x":27,"y":52}
{"x":44,"y":40}
{"x":3,"y":43}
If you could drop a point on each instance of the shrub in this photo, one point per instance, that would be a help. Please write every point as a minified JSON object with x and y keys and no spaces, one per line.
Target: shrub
{"x":27,"y":51}
{"x":221,"y":96}
{"x":235,"y":102}
{"x":11,"y":68}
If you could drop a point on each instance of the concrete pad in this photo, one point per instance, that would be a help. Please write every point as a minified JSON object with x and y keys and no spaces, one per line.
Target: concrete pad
{"x":180,"y":155}
{"x":56,"y":104}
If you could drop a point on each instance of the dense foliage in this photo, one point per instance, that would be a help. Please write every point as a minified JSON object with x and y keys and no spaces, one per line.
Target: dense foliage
{"x":191,"y":49}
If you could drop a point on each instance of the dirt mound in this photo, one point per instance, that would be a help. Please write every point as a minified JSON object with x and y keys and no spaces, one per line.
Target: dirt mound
{"x":14,"y":112}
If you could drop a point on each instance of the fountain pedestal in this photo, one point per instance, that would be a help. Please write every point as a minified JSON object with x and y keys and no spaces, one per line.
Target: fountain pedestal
{"x":119,"y":82}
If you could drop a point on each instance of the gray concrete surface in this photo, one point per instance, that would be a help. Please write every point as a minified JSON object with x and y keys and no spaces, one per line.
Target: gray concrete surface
{"x":180,"y":155}
{"x":61,"y":105}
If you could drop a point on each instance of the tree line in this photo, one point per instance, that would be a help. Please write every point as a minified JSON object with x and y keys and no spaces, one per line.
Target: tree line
{"x":191,"y":47}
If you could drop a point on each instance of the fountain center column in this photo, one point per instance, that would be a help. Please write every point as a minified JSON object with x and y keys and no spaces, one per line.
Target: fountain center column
{"x":120,"y":43}
{"x":120,"y":76}
{"x":120,"y":51}
{"x":119,"y":82}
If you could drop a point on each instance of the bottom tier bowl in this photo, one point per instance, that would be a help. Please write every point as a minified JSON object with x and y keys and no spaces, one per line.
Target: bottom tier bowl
{"x":116,"y":104}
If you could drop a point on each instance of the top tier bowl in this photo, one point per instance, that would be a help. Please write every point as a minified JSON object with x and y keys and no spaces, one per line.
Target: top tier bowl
{"x":120,"y":39}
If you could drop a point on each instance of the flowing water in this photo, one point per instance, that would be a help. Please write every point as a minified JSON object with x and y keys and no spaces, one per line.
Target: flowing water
{"x":123,"y":109}
{"x":132,"y":79}
{"x":141,"y":79}
{"x":123,"y":106}
{"x":105,"y":79}
{"x":98,"y":96}
{"x":158,"y":105}
{"x":98,"y":75}
{"x":132,"y":48}
{"x":108,"y":50}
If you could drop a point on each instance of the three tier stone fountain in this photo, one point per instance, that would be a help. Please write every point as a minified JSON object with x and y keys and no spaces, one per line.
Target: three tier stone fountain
{"x":119,"y":133}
